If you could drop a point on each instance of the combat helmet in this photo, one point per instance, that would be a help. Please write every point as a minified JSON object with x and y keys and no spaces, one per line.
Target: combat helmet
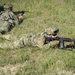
{"x":8,"y":6}
{"x":52,"y":30}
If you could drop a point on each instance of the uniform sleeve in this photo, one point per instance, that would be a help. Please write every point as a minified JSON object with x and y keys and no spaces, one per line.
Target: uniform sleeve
{"x":13,"y":17}
{"x":40,"y":42}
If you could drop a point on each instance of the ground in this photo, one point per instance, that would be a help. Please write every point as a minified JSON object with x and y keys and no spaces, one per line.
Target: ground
{"x":32,"y":60}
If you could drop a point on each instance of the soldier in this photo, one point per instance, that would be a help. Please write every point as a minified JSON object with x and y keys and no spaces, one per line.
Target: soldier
{"x":20,"y":19}
{"x":7,"y":19}
{"x":29,"y":39}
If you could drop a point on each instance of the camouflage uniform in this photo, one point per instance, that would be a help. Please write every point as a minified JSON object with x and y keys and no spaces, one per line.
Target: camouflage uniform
{"x":26,"y":39}
{"x":7,"y":19}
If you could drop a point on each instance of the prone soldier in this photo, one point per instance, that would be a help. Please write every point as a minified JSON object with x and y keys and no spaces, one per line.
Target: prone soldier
{"x":29,"y":39}
{"x":7,"y":19}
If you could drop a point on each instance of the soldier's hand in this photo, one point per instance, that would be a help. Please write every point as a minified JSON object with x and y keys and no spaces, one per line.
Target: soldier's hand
{"x":20,"y":17}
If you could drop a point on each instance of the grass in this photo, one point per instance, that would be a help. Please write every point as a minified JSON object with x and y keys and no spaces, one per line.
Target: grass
{"x":32,"y":60}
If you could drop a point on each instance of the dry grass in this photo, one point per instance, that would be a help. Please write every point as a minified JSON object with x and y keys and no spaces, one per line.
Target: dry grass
{"x":32,"y":60}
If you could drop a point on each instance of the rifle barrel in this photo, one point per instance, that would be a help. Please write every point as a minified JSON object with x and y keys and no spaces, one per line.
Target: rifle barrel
{"x":18,"y":12}
{"x":64,"y":39}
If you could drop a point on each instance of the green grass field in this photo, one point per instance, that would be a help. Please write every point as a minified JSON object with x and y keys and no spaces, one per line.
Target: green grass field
{"x":32,"y":60}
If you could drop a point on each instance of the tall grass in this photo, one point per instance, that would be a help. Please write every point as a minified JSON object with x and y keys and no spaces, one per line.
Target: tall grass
{"x":32,"y":60}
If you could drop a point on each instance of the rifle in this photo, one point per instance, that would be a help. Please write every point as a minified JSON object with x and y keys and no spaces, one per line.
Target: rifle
{"x":20,"y":12}
{"x":20,"y":20}
{"x":16,"y":13}
{"x":60,"y":39}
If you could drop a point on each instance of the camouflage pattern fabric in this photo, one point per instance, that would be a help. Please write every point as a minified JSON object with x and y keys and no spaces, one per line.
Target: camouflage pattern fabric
{"x":26,"y":39}
{"x":3,"y":22}
{"x":52,"y":30}
{"x":7,"y":21}
{"x":13,"y":17}
{"x":4,"y":27}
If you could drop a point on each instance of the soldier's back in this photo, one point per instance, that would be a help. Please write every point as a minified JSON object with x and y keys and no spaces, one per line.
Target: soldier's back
{"x":4,"y":25}
{"x":33,"y":39}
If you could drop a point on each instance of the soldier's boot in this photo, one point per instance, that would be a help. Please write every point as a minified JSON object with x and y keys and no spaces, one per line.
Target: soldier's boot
{"x":7,"y":45}
{"x":9,"y":37}
{"x":12,"y":45}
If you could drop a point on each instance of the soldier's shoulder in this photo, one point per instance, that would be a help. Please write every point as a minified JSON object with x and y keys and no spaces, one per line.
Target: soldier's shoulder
{"x":11,"y":13}
{"x":40,"y":34}
{"x":4,"y":13}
